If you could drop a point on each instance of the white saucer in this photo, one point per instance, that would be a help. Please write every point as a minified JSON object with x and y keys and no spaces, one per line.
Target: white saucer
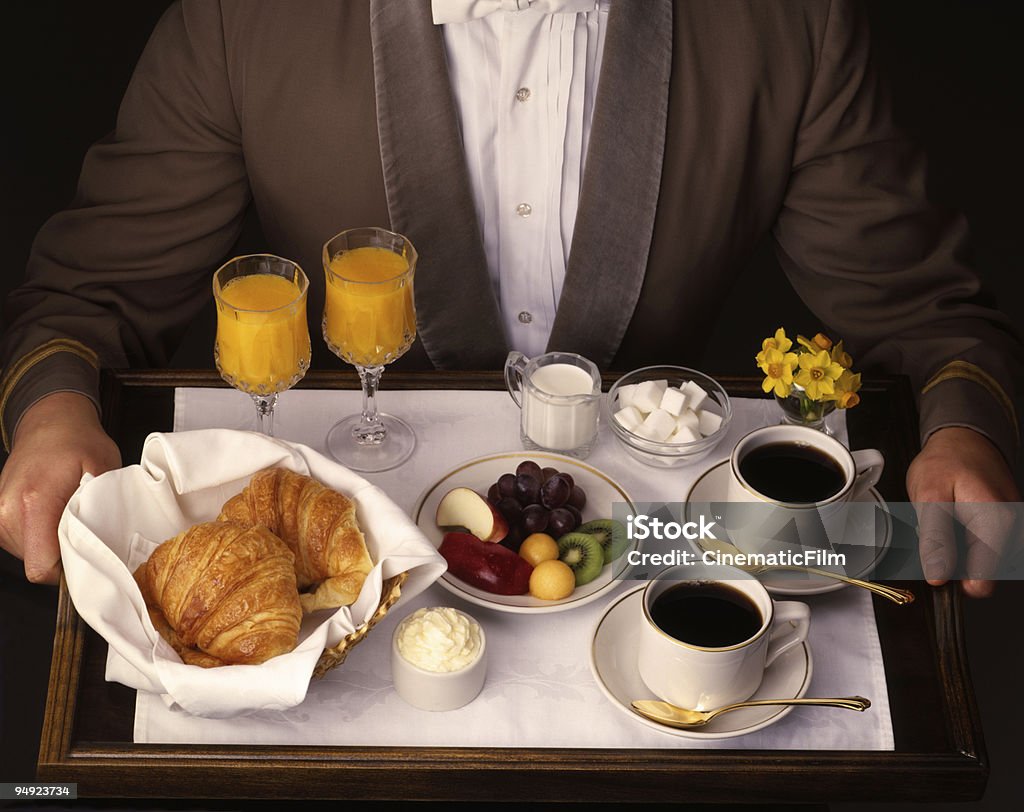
{"x":865,"y":542}
{"x":613,"y":655}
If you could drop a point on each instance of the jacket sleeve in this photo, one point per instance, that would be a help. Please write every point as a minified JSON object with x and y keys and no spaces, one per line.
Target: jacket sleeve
{"x":115,"y":279}
{"x":878,"y":263}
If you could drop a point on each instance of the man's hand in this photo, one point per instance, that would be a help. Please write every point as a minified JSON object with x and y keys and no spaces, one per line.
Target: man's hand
{"x":958,"y":465}
{"x":58,"y":439}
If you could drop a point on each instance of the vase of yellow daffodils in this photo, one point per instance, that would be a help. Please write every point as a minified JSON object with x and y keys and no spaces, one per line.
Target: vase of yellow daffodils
{"x":809,"y":380}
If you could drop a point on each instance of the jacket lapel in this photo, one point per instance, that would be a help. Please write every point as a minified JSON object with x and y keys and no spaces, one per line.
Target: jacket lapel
{"x":619,"y":195}
{"x":428,"y":191}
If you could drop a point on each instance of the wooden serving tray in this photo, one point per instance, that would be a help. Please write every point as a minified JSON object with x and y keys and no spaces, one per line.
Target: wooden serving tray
{"x":939,"y":753}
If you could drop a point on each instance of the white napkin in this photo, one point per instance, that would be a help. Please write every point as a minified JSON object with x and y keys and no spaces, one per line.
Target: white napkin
{"x":114,"y":521}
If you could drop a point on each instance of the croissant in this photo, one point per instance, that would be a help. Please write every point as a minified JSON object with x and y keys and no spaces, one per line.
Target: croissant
{"x":318,"y":525}
{"x":223,"y":594}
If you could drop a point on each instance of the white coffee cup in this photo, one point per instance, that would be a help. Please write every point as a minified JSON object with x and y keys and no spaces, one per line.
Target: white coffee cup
{"x":761,"y":523}
{"x":703,"y":678}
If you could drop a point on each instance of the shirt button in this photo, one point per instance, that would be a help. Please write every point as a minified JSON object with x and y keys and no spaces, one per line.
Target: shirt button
{"x":524,"y":209}
{"x":522,"y":94}
{"x":525,"y":317}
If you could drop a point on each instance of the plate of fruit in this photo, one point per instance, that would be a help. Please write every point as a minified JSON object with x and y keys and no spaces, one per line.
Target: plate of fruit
{"x":526,"y":532}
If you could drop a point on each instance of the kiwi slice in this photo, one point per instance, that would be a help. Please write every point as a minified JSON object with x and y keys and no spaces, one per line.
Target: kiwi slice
{"x":583,"y":554}
{"x":611,"y":535}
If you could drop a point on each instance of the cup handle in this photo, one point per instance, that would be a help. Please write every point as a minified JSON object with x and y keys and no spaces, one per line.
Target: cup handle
{"x":869,"y":464}
{"x":782,"y":636}
{"x":514,"y":366}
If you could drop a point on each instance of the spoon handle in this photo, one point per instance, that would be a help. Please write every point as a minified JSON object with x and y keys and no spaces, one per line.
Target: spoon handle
{"x":857,"y":703}
{"x":898,"y":596}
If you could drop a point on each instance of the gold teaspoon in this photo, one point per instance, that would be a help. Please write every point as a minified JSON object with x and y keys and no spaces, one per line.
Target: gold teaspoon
{"x":674,"y":716}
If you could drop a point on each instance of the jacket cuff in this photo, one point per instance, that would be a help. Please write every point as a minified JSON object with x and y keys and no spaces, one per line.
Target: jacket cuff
{"x":961,"y":394}
{"x":61,"y":365}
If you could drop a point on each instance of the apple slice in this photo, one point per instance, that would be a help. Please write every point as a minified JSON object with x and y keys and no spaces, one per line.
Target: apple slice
{"x":490,"y":567}
{"x":464,"y":507}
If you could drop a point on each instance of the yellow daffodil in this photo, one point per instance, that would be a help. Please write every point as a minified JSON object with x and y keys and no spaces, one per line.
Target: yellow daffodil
{"x":841,"y":356}
{"x":778,"y":369}
{"x":817,"y":344}
{"x":818,"y":374}
{"x":845,"y":390}
{"x":777,"y":342}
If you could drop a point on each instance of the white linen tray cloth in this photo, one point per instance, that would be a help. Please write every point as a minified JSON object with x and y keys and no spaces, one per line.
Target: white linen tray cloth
{"x":539,"y":690}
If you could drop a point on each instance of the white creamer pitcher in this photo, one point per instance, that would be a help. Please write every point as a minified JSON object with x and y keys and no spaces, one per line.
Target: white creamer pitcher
{"x":559,"y":395}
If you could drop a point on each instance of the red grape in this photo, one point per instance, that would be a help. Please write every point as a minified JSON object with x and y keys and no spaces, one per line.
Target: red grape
{"x":531,"y":468}
{"x":507,"y":484}
{"x":527,"y":489}
{"x":560,"y":522}
{"x":555,"y":492}
{"x":510,"y":509}
{"x":535,"y":518}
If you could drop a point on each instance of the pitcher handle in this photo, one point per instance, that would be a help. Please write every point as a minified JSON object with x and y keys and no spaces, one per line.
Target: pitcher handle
{"x":515,"y":364}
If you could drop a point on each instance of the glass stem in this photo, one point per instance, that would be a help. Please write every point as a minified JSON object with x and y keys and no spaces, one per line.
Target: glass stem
{"x":265,"y":413}
{"x":370,"y":429}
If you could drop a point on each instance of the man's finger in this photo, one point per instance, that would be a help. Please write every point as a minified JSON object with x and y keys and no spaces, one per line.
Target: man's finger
{"x":979,"y":589}
{"x":988,"y":526}
{"x":936,"y":542}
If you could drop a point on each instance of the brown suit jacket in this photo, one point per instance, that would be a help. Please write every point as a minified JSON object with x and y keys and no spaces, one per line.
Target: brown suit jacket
{"x":716,"y":121}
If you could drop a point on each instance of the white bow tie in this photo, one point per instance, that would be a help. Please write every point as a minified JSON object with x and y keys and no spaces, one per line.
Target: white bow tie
{"x":462,"y":11}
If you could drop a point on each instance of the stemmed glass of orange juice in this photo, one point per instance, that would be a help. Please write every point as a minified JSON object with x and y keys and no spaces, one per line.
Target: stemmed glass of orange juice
{"x":369,"y":321}
{"x":262,"y":345}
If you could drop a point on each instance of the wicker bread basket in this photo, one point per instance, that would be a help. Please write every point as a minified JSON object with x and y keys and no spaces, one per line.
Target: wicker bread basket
{"x":391,"y":591}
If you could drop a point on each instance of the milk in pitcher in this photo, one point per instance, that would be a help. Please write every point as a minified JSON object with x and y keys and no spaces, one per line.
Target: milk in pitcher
{"x":566,"y":421}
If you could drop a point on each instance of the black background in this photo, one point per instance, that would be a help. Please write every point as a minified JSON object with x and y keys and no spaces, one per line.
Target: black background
{"x":956,"y":71}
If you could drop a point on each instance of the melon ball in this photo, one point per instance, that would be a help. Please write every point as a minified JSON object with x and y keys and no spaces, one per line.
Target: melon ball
{"x":538,"y":547}
{"x":552,"y":580}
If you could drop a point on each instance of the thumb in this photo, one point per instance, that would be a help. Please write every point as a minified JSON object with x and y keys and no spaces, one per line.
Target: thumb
{"x":41,"y":545}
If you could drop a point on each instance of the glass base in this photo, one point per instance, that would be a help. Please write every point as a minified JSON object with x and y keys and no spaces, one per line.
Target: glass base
{"x":819,"y":424}
{"x":396,"y":447}
{"x":579,"y":453}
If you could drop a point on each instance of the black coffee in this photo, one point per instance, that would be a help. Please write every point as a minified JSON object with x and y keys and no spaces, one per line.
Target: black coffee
{"x":710,"y":615}
{"x":788,"y":472}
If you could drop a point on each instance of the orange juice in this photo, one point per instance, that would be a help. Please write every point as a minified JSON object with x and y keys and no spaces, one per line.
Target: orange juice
{"x":369,"y":317}
{"x":262,"y":338}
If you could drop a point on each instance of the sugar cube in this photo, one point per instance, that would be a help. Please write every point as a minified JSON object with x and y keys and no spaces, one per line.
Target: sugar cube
{"x":658,"y":425}
{"x":629,"y":418}
{"x":684,"y":434}
{"x":695,"y":396}
{"x":673,"y":401}
{"x":646,"y":433}
{"x":647,"y":396}
{"x":689,"y":419}
{"x":627,"y":394}
{"x":709,"y":422}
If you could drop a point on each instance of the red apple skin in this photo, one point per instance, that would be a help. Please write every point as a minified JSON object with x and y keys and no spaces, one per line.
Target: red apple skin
{"x":486,"y":566}
{"x":499,"y":525}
